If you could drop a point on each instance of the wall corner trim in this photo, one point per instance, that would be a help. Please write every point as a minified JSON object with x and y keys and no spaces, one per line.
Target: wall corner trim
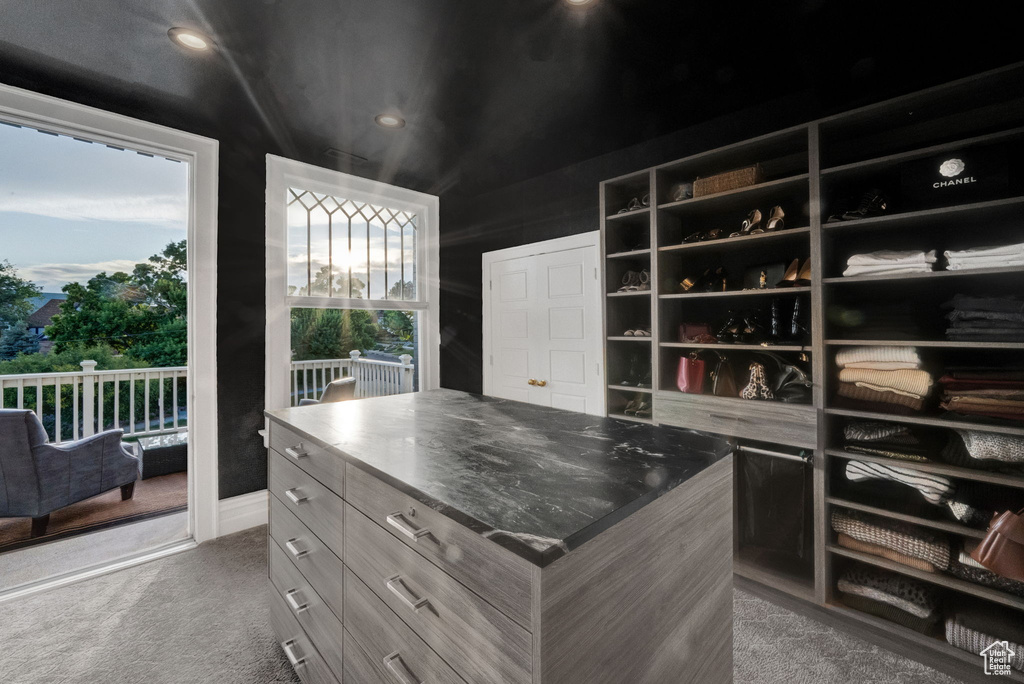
{"x":242,"y":512}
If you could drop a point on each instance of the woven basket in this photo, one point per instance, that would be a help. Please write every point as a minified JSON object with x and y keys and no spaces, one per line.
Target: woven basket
{"x":730,"y":180}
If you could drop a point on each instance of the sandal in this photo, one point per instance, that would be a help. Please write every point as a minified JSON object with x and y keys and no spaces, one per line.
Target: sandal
{"x":775,"y":221}
{"x":630,"y":282}
{"x":645,"y":280}
{"x":750,"y":226}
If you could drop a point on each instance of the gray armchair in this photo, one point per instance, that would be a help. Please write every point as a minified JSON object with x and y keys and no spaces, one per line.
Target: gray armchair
{"x":341,"y":389}
{"x":37,"y":478}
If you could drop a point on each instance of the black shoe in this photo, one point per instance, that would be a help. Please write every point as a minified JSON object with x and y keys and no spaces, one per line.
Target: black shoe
{"x":775,"y":323}
{"x":873,"y":203}
{"x":730,"y":329}
{"x":797,"y":328}
{"x":697,"y":284}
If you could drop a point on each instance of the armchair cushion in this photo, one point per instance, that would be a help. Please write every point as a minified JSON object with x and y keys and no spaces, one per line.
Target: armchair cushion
{"x":19,"y":488}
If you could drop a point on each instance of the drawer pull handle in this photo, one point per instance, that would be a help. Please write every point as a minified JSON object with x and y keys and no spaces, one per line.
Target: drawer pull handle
{"x":398,"y":668}
{"x":397,"y":587}
{"x":719,"y":416}
{"x":294,"y":549}
{"x":295,"y":498}
{"x":289,"y":652}
{"x":296,"y":452}
{"x":397,"y":520}
{"x":289,"y":596}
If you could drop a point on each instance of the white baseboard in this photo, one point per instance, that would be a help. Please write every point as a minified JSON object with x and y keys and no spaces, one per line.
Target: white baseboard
{"x":242,"y":512}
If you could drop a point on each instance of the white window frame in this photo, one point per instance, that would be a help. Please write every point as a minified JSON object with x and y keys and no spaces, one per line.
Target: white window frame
{"x":283,"y":174}
{"x":201,"y":154}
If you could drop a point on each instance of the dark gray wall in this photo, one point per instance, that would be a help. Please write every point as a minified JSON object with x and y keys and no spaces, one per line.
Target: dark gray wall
{"x":554,"y":205}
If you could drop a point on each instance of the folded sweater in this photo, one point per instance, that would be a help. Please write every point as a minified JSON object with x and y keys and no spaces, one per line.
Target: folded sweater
{"x":906,"y":539}
{"x":934,"y":488}
{"x":911,"y":383}
{"x":1016,"y":249}
{"x":886,"y":399}
{"x":909,"y":595}
{"x":870,"y":355}
{"x":890,"y":257}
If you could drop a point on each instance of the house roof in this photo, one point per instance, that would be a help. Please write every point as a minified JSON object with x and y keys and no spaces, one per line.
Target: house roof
{"x":44,"y":314}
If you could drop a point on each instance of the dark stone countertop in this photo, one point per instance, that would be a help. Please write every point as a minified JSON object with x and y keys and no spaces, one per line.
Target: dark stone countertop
{"x":538,"y":481}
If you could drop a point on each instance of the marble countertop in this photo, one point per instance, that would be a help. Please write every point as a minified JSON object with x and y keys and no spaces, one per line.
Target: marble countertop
{"x":538,"y":481}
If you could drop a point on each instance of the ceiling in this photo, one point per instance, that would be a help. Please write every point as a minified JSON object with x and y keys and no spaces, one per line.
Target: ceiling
{"x":493,"y":91}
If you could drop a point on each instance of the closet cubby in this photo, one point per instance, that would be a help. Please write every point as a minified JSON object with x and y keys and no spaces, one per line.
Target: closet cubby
{"x":816,"y":171}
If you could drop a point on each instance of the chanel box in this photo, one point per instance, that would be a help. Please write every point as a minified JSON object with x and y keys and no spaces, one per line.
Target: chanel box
{"x":970,"y":175}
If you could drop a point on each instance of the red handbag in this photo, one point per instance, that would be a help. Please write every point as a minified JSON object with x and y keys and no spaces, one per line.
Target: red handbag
{"x":690,"y":376}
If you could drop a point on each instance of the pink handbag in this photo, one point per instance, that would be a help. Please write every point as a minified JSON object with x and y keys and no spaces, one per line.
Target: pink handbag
{"x":690,"y":376}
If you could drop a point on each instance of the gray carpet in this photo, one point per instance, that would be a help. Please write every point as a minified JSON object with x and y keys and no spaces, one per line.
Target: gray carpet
{"x":201,"y":616}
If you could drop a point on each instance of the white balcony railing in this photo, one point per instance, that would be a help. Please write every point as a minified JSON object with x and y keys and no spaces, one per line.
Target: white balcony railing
{"x":146,"y":401}
{"x":72,"y":405}
{"x":373,"y":378}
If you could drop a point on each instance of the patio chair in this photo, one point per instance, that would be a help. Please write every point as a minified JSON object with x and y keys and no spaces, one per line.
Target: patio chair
{"x":37,"y":478}
{"x":341,"y":389}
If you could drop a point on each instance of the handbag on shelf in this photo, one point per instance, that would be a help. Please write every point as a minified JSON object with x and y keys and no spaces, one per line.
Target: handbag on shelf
{"x":690,"y":375}
{"x":788,"y":382}
{"x":1002,"y":549}
{"x":723,"y":377}
{"x":757,"y":385}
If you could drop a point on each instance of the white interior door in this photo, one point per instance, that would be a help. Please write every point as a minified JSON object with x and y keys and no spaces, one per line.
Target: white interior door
{"x":544,"y":325}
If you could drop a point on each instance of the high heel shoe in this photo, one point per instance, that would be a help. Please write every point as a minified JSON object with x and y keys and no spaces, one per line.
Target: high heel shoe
{"x":751,"y":225}
{"x":689,"y":284}
{"x":775,"y":221}
{"x":804,"y":278}
{"x":789,"y":279}
{"x":797,"y":329}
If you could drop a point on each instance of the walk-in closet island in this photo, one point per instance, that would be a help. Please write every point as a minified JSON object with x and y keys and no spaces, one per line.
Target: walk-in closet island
{"x":447,"y":537}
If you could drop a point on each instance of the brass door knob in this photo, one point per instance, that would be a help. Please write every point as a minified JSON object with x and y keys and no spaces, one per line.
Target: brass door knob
{"x":542,"y":383}
{"x":531,"y":381}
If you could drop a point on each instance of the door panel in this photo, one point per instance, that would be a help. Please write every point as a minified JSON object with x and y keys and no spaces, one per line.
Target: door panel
{"x":546,"y":326}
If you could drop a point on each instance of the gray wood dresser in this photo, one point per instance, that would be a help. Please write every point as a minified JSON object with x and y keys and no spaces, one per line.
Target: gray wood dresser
{"x":446,"y":537}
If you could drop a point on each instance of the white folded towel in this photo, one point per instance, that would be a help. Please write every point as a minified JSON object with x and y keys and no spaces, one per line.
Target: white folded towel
{"x":983,"y":263}
{"x":892,"y":258}
{"x":876,"y":355}
{"x":998,"y":250}
{"x":879,"y":270}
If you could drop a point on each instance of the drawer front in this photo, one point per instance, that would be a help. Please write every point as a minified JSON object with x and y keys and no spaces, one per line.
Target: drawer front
{"x":321,"y":568}
{"x":315,"y":617}
{"x":769,"y":421}
{"x":498,"y":575}
{"x":386,"y":649}
{"x":472,"y":636}
{"x":316,"y":460}
{"x":319,"y":509}
{"x":308,"y":664}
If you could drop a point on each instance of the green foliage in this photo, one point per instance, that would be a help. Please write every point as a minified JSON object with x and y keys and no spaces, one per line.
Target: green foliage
{"x":331,"y":333}
{"x":397,"y":324}
{"x":168,"y":346}
{"x":69,"y":360}
{"x":15,"y":295}
{"x":17,"y":340}
{"x":145,"y":309}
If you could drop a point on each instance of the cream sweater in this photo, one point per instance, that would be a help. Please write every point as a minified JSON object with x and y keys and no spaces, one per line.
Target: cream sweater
{"x":912,"y":383}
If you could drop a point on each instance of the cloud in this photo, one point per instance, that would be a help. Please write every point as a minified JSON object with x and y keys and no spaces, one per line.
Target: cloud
{"x":171,"y":210}
{"x":51,"y":277}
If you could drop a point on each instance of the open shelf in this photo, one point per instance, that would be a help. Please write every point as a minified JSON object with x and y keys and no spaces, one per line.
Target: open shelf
{"x":928,"y":420}
{"x":634,"y":293}
{"x":923,"y":152}
{"x":942,"y":525}
{"x":927,"y":217}
{"x":765,"y":189}
{"x":632,"y":389}
{"x":629,"y":255}
{"x":937,"y":578}
{"x":630,"y":215}
{"x":738,"y":293}
{"x":968,"y":273}
{"x":940,"y":344}
{"x":632,"y":419}
{"x":727,"y":346}
{"x":976,"y":475}
{"x":629,"y":338}
{"x":766,"y":568}
{"x":739,"y":242}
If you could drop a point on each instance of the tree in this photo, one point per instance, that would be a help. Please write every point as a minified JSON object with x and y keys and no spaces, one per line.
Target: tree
{"x":331,"y":333}
{"x":16,"y":295}
{"x":145,"y":309}
{"x":17,"y":340}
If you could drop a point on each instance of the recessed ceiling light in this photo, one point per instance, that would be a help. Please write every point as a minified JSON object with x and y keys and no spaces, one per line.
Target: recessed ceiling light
{"x":579,"y":2}
{"x":389,"y":121}
{"x":193,"y":40}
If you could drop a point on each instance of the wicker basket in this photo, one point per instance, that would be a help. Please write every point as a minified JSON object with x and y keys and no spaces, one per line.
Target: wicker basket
{"x":730,"y":180}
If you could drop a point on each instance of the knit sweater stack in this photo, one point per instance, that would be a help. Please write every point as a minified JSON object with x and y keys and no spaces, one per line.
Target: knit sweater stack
{"x":882,"y":379}
{"x":985,"y":319}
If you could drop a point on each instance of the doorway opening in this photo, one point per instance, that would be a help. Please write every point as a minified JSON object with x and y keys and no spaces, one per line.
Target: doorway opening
{"x":97,"y":406}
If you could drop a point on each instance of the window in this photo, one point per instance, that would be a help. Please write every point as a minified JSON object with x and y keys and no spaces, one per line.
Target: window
{"x":351,"y":285}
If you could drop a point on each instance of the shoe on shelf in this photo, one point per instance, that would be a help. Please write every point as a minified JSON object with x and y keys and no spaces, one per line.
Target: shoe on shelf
{"x":730,"y":329}
{"x":751,"y":225}
{"x":872,"y":203}
{"x":645,"y":280}
{"x":688,"y":284}
{"x":633,"y":405}
{"x":797,"y":329}
{"x":803,"y":279}
{"x":644,"y":411}
{"x":630,"y":282}
{"x":789,"y":279}
{"x":775,"y":221}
